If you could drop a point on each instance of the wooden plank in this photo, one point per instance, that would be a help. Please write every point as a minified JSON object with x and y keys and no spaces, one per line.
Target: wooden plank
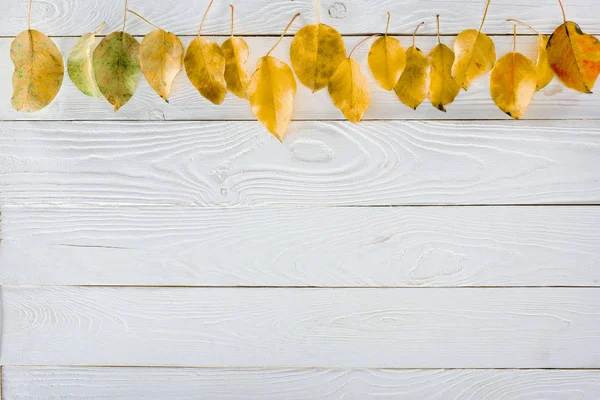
{"x":39,"y":383}
{"x":389,"y":247}
{"x":554,"y":102}
{"x":73,"y":17}
{"x":360,"y":328}
{"x":320,"y":163}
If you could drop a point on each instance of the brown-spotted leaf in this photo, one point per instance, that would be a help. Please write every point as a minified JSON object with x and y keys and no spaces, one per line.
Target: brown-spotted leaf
{"x":39,"y":71}
{"x":316,"y":51}
{"x":413,"y":86}
{"x":574,"y":56}
{"x":513,"y":83}
{"x":271,"y":93}
{"x":205,"y":67}
{"x":161,"y":59}
{"x":117,"y":69}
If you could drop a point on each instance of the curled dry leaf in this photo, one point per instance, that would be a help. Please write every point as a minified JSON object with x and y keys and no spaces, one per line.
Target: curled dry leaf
{"x":545,"y":74}
{"x":443,"y":88}
{"x":79,"y":65}
{"x":475,"y":55}
{"x":513,"y":83}
{"x":117,"y":69}
{"x":574,"y":56}
{"x":413,"y":86}
{"x":236,"y":53}
{"x":205,"y":66}
{"x":39,"y":71}
{"x":316,"y":52}
{"x":387,"y":60}
{"x":271,"y":92}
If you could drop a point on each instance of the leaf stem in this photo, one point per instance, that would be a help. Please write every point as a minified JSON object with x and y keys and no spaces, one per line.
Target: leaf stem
{"x":125,"y":16}
{"x":204,"y":17}
{"x":563,"y":11}
{"x":283,"y":34}
{"x":437,"y":17}
{"x":415,"y":34}
{"x":29,"y":15}
{"x":143,"y":19}
{"x":515,"y":38}
{"x":524,"y":24}
{"x":232,"y":10}
{"x":387,"y":25}
{"x":485,"y":14}
{"x":361,"y":42}
{"x":100,"y":27}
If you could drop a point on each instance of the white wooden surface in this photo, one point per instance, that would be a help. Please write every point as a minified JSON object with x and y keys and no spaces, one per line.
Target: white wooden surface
{"x":400,"y":258}
{"x":37,"y":383}
{"x":403,"y":247}
{"x":295,"y":327}
{"x":185,"y":103}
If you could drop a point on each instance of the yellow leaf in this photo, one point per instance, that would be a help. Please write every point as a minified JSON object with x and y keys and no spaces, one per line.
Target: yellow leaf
{"x":236,"y":55}
{"x":79,"y":65}
{"x":574,"y":56}
{"x":271,"y":92}
{"x":205,"y":66}
{"x":513,"y":83}
{"x":443,"y":89}
{"x":413,"y":86}
{"x":117,"y":67}
{"x":316,"y":51}
{"x":545,"y":74}
{"x":161,"y":59}
{"x":387,"y":60}
{"x":39,"y":71}
{"x":349,"y":90}
{"x":475,"y":55}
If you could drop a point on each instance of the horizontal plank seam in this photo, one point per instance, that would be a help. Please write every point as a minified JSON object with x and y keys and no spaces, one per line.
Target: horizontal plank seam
{"x":300,"y":120}
{"x":290,"y":368}
{"x":283,"y":287}
{"x":281,"y":207}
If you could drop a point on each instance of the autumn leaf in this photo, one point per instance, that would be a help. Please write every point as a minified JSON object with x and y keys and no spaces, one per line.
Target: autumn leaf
{"x":574,"y":56}
{"x":161,"y":58}
{"x":413,"y":86}
{"x":205,"y":66}
{"x":443,"y":89}
{"x":545,"y":74}
{"x":513,"y":82}
{"x":387,"y":59}
{"x":271,"y":92}
{"x":79,"y":64}
{"x":116,"y":65}
{"x":475,"y":55}
{"x":316,"y":51}
{"x":39,"y":69}
{"x":235,"y":51}
{"x":349,"y":88}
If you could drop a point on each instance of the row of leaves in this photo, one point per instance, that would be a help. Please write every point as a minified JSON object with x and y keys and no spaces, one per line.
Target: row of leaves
{"x":318,"y":56}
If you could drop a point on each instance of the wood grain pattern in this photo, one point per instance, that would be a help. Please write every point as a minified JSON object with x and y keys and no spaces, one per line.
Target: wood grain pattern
{"x":185,"y":103}
{"x":320,"y":163}
{"x":414,"y":246}
{"x":75,"y":17}
{"x":40,"y":383}
{"x":360,"y":328}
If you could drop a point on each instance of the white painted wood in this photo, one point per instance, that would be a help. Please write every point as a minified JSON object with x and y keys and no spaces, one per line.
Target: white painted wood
{"x":554,"y":102}
{"x":75,"y":17}
{"x":320,"y":163}
{"x":361,"y":328}
{"x":40,"y":383}
{"x":414,"y":246}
